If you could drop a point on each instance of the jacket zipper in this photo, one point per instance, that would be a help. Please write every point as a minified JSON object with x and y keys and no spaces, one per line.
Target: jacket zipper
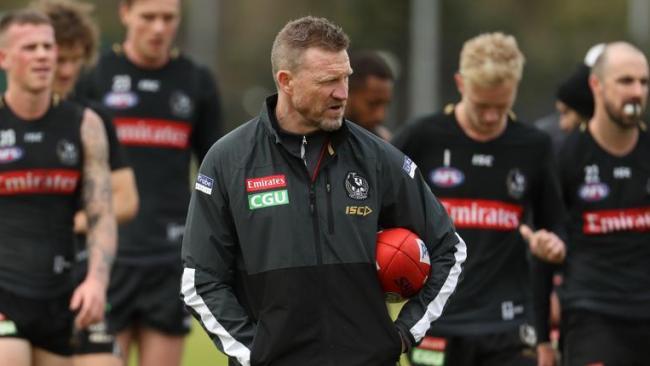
{"x":312,"y":194}
{"x":317,"y":241}
{"x":314,"y":217}
{"x":330,"y":213}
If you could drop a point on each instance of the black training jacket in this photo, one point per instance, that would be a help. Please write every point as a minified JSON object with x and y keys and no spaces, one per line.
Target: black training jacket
{"x":280,"y":267}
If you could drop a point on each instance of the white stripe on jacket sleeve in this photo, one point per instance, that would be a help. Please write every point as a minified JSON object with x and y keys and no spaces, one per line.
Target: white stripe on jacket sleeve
{"x":231,"y":346}
{"x":435,"y":307}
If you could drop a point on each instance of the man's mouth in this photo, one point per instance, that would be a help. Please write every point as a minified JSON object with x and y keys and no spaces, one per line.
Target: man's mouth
{"x":632,"y":109}
{"x":42,"y":71}
{"x":336,"y":107}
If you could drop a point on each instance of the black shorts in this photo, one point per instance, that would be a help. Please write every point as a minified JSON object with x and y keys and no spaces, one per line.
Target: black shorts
{"x":601,"y":339}
{"x":147,"y":296}
{"x":512,"y":348}
{"x":44,"y":323}
{"x":95,"y":339}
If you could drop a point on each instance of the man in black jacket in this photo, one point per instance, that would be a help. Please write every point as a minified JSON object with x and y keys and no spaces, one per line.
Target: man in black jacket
{"x":278,"y":269}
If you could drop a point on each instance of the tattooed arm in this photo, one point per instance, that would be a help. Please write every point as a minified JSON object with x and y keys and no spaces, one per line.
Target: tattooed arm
{"x":89,"y":297}
{"x":125,"y":199}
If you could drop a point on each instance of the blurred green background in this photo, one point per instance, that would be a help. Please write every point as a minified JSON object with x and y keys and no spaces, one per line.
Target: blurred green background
{"x":234,"y":39}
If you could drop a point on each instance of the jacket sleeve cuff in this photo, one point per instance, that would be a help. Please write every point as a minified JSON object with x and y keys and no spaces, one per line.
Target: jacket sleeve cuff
{"x":407,"y":339}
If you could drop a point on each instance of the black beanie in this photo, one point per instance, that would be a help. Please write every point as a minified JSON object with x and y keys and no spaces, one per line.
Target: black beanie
{"x":575,"y":92}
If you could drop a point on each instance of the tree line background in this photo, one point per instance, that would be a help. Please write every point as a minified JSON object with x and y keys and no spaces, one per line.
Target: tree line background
{"x":233,"y":38}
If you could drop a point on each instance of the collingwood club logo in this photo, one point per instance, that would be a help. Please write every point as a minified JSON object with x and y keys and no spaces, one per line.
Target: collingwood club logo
{"x":516,"y":183}
{"x":356,"y":186}
{"x":181,"y":104}
{"x":67,"y":152}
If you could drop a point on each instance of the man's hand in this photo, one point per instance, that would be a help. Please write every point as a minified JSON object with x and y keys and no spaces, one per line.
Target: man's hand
{"x":80,"y":222}
{"x":89,"y":300}
{"x":545,"y":355}
{"x":544,"y":244}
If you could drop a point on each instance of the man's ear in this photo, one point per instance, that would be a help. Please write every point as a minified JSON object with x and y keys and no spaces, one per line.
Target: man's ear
{"x":285,"y":81}
{"x":594,"y":83}
{"x":3,"y":59}
{"x":124,"y":12}
{"x":460,"y":84}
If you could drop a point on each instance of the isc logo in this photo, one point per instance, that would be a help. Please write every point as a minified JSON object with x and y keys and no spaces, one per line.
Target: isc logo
{"x":482,"y":160}
{"x":358,"y":210}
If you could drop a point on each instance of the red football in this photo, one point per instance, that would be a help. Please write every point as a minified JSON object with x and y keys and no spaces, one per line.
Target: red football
{"x":403,"y":263}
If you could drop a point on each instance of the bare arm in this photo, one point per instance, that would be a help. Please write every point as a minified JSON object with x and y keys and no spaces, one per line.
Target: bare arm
{"x":125,"y":199}
{"x":89,"y":298}
{"x":125,"y":194}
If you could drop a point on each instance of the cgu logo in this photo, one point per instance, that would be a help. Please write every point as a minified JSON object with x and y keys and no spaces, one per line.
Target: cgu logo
{"x":358,"y":210}
{"x":447,"y":177}
{"x":268,"y":199}
{"x":592,"y":192}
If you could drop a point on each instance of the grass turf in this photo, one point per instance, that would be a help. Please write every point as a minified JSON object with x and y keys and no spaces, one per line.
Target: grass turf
{"x":200,"y":351}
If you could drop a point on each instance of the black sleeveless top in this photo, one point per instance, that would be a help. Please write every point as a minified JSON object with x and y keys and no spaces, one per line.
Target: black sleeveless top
{"x":40,"y":179}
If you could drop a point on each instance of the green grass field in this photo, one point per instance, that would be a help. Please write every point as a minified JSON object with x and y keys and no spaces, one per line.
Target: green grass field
{"x":199,"y":350}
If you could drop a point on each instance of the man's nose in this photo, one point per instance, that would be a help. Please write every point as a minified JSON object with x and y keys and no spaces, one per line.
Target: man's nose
{"x":340,"y":91}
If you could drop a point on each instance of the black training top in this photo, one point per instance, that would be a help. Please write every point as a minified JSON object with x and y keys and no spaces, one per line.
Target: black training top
{"x":40,"y":174}
{"x":488,"y":188}
{"x":608,"y":263}
{"x":161,"y":116}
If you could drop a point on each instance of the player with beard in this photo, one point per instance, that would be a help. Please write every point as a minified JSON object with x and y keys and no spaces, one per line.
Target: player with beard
{"x":605,"y":177}
{"x":51,"y":151}
{"x":165,"y":108}
{"x":77,"y":37}
{"x":491,"y":173}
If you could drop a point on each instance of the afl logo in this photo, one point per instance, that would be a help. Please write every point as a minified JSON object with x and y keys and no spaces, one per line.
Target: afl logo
{"x":356,"y":186}
{"x":593,"y":192}
{"x":9,"y":154}
{"x":121,"y":100}
{"x":447,"y":177}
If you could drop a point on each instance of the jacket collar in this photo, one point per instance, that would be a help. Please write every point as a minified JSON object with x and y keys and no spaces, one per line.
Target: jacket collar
{"x":270,"y":123}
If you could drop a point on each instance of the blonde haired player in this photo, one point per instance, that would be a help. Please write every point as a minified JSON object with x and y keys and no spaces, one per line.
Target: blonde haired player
{"x":491,"y":173}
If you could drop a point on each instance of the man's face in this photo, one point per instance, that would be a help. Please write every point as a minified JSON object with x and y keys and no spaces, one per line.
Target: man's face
{"x":368,"y":104}
{"x":624,"y":88}
{"x":68,"y":67}
{"x":319,"y":88}
{"x":151,"y":27}
{"x":487,"y":107}
{"x":28,"y":55}
{"x":569,"y":118}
